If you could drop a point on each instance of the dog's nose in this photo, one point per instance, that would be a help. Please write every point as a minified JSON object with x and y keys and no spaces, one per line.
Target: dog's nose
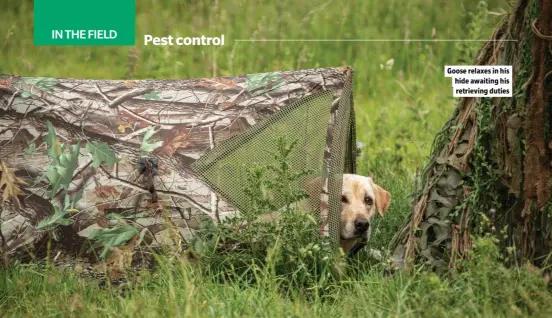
{"x":362,"y":224}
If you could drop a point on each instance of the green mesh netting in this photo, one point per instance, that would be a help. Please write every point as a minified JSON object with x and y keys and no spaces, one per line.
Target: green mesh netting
{"x":343,"y":155}
{"x":224,"y":168}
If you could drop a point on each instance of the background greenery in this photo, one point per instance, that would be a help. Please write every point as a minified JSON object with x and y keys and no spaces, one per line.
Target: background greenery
{"x":401,"y":98}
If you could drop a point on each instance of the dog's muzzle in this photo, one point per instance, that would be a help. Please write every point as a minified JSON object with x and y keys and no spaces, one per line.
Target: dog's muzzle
{"x":361,"y":226}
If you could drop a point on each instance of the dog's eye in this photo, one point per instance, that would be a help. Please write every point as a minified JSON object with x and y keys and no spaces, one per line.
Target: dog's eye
{"x":344,"y":199}
{"x":368,"y":200}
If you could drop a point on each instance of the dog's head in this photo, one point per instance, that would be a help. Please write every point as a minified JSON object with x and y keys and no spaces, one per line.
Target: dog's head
{"x":360,"y":200}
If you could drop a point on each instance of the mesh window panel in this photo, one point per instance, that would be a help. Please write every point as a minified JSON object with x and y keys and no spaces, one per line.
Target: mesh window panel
{"x":306,"y":120}
{"x":341,"y":159}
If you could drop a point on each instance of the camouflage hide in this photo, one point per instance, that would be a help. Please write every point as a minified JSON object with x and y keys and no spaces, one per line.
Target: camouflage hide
{"x":186,"y":124}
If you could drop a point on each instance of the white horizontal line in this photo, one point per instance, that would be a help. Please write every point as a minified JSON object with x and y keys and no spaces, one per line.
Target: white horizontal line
{"x":369,"y":40}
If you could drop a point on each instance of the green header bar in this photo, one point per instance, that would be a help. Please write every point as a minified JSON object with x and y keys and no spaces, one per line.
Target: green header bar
{"x":81,"y":22}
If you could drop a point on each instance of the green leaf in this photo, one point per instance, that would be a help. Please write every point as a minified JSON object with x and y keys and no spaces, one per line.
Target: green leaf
{"x":54,"y":147}
{"x":266,"y":81}
{"x":60,"y":173}
{"x":31,"y":146}
{"x":200,"y":246}
{"x":101,"y":153}
{"x":46,"y":83}
{"x":107,"y":238}
{"x":154,"y":95}
{"x":77,"y":198}
{"x":53,"y":178}
{"x":58,"y":218}
{"x":66,"y":202}
{"x":148,"y":146}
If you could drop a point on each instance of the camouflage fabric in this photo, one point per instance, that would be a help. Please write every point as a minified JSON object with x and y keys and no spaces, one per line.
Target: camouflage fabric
{"x":96,"y":152}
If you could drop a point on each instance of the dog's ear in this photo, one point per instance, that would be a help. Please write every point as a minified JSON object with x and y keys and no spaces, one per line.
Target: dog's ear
{"x":383,"y":198}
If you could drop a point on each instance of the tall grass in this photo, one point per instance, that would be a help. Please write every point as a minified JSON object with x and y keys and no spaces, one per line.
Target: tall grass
{"x":399,"y":107}
{"x":485,"y":289}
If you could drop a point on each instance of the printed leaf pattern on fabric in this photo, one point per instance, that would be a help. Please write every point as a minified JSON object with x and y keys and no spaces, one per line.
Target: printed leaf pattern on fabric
{"x":9,"y":183}
{"x":60,"y":173}
{"x":148,"y":146}
{"x":101,"y":153}
{"x":111,"y":237}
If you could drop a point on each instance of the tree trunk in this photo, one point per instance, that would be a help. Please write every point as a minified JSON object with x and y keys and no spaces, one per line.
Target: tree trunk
{"x":490,"y":166}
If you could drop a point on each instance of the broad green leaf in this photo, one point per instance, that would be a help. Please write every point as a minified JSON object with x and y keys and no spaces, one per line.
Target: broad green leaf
{"x":53,"y":178}
{"x":111,"y":237}
{"x":69,"y":205}
{"x":114,"y":236}
{"x":148,"y":146}
{"x":101,"y":153}
{"x":60,"y":173}
{"x":54,"y":147}
{"x":58,"y":218}
{"x":105,"y":252}
{"x":66,"y":202}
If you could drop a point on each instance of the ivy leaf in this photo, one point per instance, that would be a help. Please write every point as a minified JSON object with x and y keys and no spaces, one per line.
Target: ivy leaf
{"x":58,"y":218}
{"x":54,"y":146}
{"x":148,"y":146}
{"x":101,"y":153}
{"x":60,"y":174}
{"x":107,"y":238}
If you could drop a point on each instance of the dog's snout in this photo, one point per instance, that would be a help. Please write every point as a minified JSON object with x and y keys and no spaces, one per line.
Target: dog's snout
{"x":362,"y":224}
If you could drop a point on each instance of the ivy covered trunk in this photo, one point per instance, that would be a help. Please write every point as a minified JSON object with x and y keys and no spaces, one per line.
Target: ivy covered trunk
{"x":490,"y":167}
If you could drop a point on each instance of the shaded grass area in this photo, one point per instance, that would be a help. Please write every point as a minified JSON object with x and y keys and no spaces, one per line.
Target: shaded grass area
{"x":485,"y":289}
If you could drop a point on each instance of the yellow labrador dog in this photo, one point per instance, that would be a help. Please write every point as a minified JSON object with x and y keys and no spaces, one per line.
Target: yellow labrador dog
{"x":361,"y":198}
